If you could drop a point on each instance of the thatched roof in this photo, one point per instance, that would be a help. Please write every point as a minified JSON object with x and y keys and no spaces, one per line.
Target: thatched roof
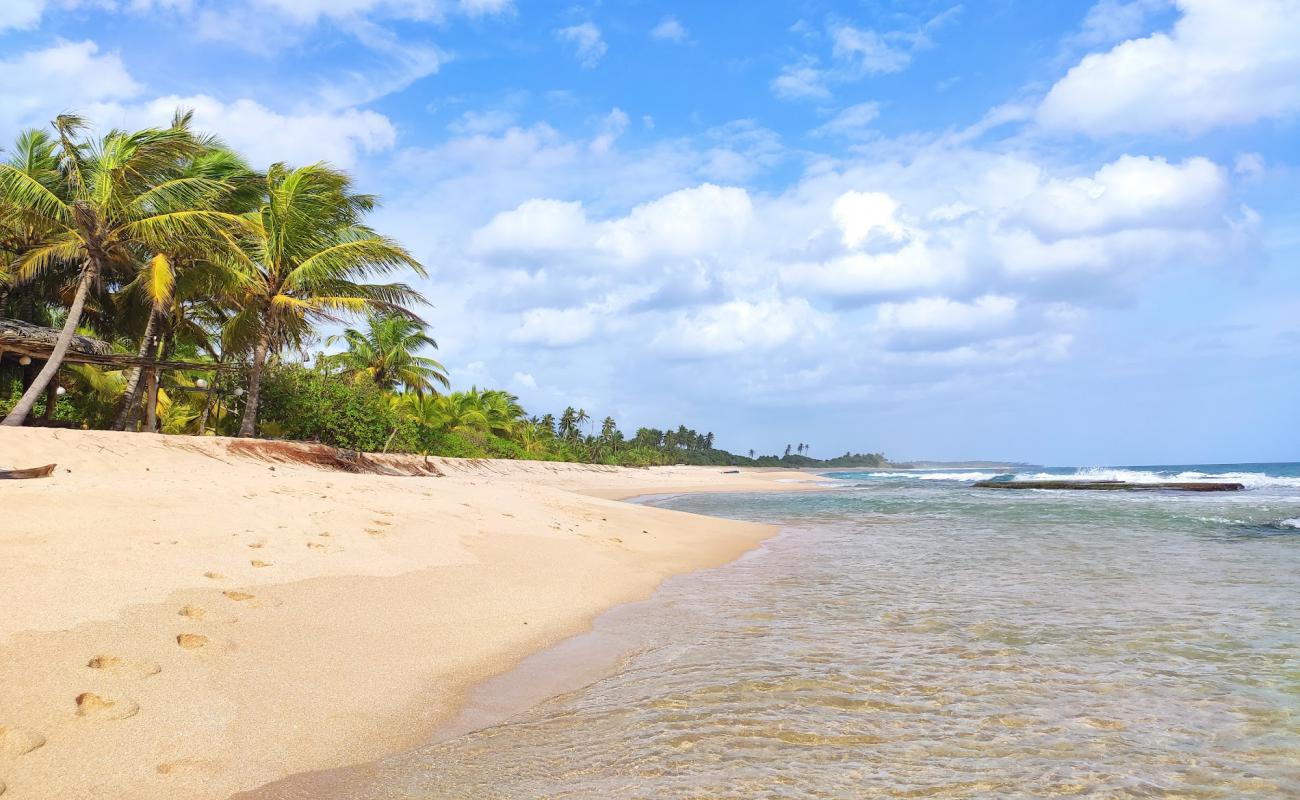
{"x":25,"y":339}
{"x":35,"y":340}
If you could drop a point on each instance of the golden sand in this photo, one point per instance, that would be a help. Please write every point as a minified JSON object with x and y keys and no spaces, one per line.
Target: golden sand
{"x":144,"y":655}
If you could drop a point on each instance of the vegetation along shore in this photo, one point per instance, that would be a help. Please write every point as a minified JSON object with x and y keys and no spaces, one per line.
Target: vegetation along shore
{"x":153,"y":281}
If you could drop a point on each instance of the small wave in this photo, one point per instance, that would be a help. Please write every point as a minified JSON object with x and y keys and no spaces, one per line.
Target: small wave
{"x":937,"y":476}
{"x":1293,"y":523}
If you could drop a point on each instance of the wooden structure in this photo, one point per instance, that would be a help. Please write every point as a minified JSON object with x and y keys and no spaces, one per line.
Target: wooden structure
{"x":18,"y":339}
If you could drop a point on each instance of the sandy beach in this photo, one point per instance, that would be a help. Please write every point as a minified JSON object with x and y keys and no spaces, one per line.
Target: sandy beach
{"x":182,"y":621}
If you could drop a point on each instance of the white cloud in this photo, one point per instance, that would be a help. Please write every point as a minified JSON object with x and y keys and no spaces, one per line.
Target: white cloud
{"x":669,"y":30}
{"x":1225,"y":62}
{"x":480,"y":8}
{"x":265,"y":135}
{"x":867,"y":51}
{"x":312,"y":11}
{"x":556,"y":327}
{"x":76,"y":75}
{"x":801,"y":80}
{"x":477,"y":122}
{"x":535,"y":228}
{"x":853,"y":122}
{"x":739,"y":326}
{"x":864,"y":215}
{"x":1130,"y":192}
{"x":939,"y":323}
{"x":692,"y":223}
{"x":588,"y":45}
{"x":68,"y":75}
{"x":524,"y":380}
{"x":20,"y":14}
{"x":856,"y":53}
{"x":1114,"y":20}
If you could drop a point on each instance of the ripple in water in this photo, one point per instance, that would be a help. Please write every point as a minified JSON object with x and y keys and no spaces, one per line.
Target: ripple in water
{"x":920,"y":641}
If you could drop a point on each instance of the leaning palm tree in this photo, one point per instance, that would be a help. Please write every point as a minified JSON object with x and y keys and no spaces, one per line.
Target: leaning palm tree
{"x":385,"y":353}
{"x":303,"y":262}
{"x":119,"y":200}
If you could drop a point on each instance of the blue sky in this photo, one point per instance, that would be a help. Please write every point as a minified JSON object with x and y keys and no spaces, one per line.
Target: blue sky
{"x":1059,"y":232}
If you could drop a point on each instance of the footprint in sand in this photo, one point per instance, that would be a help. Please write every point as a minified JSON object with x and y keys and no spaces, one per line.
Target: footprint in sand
{"x":191,"y":641}
{"x":256,"y":545}
{"x":257,"y":563}
{"x":316,"y":545}
{"x":15,"y":742}
{"x":127,"y":667}
{"x":193,"y":612}
{"x":238,"y":596}
{"x":100,"y":707}
{"x":374,"y":532}
{"x":216,"y":576}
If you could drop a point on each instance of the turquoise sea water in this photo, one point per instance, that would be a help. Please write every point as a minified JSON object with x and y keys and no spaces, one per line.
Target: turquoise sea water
{"x":908,"y":636}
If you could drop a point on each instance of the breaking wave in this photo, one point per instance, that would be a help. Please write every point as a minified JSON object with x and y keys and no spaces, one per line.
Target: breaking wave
{"x":1251,"y":480}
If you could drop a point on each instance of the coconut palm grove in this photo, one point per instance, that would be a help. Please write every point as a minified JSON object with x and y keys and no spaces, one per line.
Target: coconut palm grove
{"x":208,"y":294}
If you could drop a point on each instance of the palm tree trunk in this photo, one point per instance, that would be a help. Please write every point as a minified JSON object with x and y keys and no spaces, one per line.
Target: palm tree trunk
{"x":151,"y":404}
{"x":51,"y":397}
{"x":131,"y":398}
{"x":249,"y":423}
{"x":18,"y":415}
{"x":207,"y":403}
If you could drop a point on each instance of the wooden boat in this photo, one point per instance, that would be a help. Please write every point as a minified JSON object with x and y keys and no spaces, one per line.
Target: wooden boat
{"x":31,"y":472}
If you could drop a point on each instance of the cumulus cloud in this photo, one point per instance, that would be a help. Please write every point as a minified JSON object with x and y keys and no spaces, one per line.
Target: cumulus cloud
{"x":689,"y":223}
{"x":265,"y":135}
{"x":1130,"y":192}
{"x":38,"y":84}
{"x":588,"y":45}
{"x":1224,"y":62}
{"x":20,"y":13}
{"x":41,"y":83}
{"x":739,"y":326}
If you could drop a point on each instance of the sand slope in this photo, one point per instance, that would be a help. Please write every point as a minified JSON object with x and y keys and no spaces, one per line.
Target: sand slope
{"x":180,"y":621}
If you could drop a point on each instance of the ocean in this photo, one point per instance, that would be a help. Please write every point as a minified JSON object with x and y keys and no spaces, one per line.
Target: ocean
{"x":908,"y":636}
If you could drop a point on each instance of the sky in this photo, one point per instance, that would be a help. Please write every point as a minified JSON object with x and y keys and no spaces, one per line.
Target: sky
{"x":1057,"y":232}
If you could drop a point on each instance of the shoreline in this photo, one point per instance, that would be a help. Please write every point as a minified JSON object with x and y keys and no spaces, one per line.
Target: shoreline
{"x":219,"y":641}
{"x":568,"y":666}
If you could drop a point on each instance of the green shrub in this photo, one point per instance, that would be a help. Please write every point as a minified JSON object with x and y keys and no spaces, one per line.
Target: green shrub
{"x":308,"y":405}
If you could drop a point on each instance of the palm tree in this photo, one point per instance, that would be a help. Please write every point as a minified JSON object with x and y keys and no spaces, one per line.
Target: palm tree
{"x":385,"y":353}
{"x":303,"y":262}
{"x":118,"y":199}
{"x":34,"y":154}
{"x":567,"y":426}
{"x":171,"y":285}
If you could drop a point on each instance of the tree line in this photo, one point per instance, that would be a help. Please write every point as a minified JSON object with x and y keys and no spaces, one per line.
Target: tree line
{"x":167,"y":245}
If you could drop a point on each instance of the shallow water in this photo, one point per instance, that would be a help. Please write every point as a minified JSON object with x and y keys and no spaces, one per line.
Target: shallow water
{"x":907,"y":636}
